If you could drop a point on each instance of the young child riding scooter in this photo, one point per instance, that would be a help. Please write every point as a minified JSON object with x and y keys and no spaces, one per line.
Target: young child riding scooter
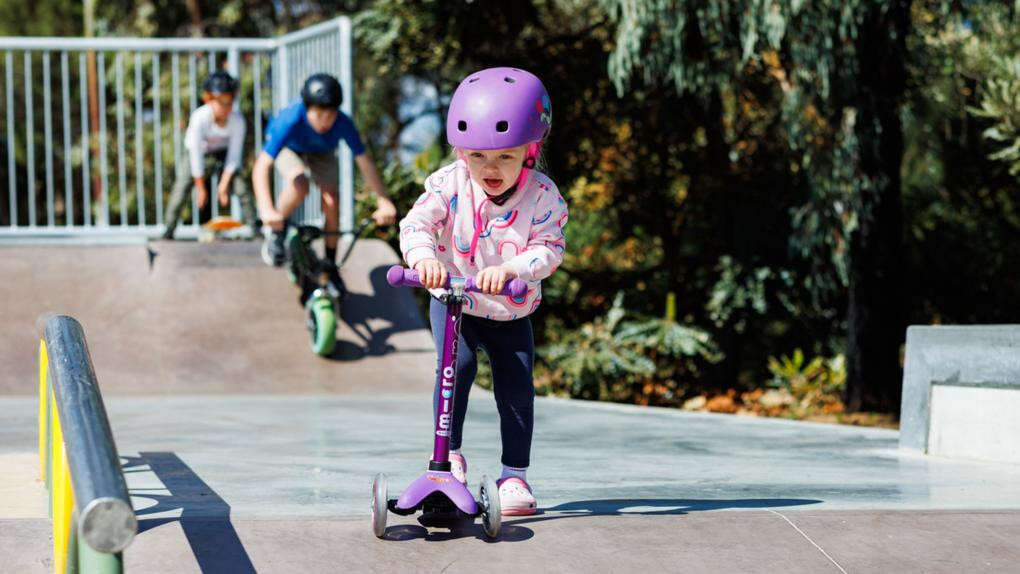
{"x":492,"y":215}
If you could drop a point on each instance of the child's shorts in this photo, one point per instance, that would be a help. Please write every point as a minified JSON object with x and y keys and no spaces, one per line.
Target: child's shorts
{"x":323,"y":166}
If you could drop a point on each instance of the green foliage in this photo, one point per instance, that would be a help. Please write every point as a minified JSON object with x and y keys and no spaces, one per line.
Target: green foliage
{"x":960,"y":206}
{"x":802,"y":389}
{"x":627,"y":357}
{"x":737,"y":291}
{"x":802,"y":379}
{"x":1000,"y":103}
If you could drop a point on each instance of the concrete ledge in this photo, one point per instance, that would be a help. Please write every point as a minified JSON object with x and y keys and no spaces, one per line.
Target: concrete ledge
{"x":986,"y":356}
{"x":977,"y":422}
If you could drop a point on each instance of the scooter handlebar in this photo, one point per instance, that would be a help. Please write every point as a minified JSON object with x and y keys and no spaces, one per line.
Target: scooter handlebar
{"x":403,"y":277}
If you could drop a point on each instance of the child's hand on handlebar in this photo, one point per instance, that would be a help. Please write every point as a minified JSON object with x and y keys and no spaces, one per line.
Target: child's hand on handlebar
{"x":431,"y":273}
{"x":492,"y":279}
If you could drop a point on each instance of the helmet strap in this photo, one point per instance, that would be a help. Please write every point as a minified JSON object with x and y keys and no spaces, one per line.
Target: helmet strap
{"x":529,"y":163}
{"x":501,"y":198}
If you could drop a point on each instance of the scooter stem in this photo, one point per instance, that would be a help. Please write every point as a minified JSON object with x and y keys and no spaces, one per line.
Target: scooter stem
{"x":447,"y":376}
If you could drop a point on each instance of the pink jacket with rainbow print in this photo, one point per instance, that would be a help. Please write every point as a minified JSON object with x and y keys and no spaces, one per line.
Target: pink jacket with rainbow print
{"x":525,"y":233}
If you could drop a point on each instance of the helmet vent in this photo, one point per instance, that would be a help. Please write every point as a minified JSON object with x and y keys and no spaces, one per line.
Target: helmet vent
{"x":462,"y":126}
{"x":502,"y":126}
{"x":508,"y":79}
{"x":473,"y":80}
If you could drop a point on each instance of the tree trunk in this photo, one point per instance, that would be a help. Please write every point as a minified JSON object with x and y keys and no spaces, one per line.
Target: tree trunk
{"x":97,"y":189}
{"x":195,"y":12}
{"x":875,"y":317}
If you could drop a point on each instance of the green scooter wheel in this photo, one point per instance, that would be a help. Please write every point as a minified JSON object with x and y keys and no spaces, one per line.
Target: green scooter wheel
{"x":322,"y":325}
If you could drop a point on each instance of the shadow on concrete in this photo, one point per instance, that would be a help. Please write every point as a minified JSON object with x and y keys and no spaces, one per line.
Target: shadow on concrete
{"x":514,"y":531}
{"x":359,"y":308}
{"x":205,"y":517}
{"x":654,"y":507}
{"x":464,"y":528}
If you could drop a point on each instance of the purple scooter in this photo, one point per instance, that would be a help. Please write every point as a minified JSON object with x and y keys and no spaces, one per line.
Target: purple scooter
{"x":437,"y":491}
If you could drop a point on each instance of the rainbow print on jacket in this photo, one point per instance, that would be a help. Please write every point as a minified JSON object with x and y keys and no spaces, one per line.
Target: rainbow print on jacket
{"x":524,"y":234}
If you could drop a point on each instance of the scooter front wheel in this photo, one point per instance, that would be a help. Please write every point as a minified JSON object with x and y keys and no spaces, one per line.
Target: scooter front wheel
{"x":379,"y":505}
{"x":488,"y":495}
{"x":321,"y":325}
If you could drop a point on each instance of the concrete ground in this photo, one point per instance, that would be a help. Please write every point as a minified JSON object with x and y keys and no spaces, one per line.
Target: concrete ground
{"x":243,"y":463}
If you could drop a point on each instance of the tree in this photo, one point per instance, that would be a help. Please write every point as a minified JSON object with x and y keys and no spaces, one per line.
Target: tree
{"x":841,"y":69}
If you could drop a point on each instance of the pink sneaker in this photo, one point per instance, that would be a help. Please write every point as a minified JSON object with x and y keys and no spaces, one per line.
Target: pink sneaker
{"x":458,"y":467}
{"x":515,"y":497}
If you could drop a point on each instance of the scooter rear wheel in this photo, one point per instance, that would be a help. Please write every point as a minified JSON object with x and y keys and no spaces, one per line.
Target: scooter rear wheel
{"x":379,"y":505}
{"x":488,"y":500}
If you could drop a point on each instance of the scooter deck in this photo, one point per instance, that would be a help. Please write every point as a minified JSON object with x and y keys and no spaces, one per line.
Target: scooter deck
{"x":426,"y":488}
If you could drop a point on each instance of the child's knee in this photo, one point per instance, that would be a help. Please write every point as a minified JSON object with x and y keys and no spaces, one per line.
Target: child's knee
{"x":299,"y":182}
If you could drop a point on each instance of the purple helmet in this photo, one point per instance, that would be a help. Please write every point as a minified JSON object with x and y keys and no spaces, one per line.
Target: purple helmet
{"x":498,"y":108}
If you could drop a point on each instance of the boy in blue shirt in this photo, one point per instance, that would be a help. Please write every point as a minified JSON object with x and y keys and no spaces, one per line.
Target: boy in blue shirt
{"x":304,"y":136}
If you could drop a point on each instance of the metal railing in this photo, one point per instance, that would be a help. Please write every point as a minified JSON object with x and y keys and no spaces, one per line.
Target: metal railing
{"x":113,"y":114}
{"x":93,"y":520}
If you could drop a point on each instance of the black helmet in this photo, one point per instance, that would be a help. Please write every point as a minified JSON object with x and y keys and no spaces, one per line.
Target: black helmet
{"x":322,"y":90}
{"x":219,"y":82}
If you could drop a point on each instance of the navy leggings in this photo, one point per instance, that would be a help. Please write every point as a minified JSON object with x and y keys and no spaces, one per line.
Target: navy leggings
{"x":510,"y":347}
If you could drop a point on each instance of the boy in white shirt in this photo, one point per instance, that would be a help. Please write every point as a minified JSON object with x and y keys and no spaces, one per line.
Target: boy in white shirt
{"x":214,"y":142}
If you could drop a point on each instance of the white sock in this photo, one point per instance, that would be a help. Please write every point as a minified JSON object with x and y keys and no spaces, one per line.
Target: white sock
{"x":455,"y":451}
{"x":509,"y":471}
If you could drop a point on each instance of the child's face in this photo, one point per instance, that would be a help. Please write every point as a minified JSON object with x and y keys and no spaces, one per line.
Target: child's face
{"x":321,"y":119}
{"x":221,"y":105}
{"x":495,"y":169}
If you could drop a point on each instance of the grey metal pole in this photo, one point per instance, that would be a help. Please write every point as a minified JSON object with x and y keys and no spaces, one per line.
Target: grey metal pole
{"x":30,"y":139}
{"x":104,"y":168}
{"x":234,"y":67}
{"x":12,"y":178}
{"x":157,"y":139}
{"x":86,"y":142}
{"x":65,"y":90}
{"x":106,"y":519}
{"x":346,"y":50}
{"x":193,"y":87}
{"x":281,"y":96}
{"x":121,"y":146}
{"x":176,"y":102}
{"x":48,"y":139}
{"x":139,"y":147}
{"x":212,"y":178}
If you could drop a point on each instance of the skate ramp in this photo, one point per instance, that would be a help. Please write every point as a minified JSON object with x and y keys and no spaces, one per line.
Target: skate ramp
{"x":183,"y":317}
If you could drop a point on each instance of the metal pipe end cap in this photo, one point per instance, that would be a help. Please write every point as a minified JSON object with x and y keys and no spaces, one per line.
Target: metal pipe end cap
{"x":108,"y":524}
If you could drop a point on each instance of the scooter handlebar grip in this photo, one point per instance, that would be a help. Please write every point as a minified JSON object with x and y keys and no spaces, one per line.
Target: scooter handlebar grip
{"x":516,"y":288}
{"x":403,"y":277}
